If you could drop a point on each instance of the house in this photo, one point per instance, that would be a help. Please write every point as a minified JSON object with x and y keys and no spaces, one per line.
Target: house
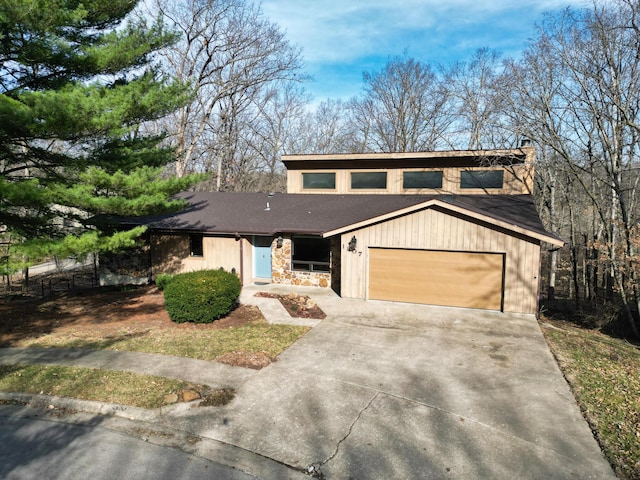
{"x":456,"y":228}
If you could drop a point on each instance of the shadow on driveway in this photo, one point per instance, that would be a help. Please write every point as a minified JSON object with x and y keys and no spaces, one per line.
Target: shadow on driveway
{"x":407,"y":391}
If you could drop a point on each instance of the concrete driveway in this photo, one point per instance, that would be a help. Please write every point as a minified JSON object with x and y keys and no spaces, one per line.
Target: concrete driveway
{"x":383,"y":390}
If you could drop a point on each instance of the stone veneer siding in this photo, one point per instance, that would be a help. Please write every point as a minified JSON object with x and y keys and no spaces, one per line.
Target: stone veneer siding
{"x":129,"y":267}
{"x":282,"y":273}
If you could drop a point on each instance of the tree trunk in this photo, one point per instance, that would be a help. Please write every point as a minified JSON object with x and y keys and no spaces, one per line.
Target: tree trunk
{"x":25,"y":280}
{"x":553,"y":266}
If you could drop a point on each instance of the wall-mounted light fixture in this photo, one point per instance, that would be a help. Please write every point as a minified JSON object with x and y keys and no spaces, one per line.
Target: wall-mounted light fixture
{"x":352,"y":244}
{"x":279,"y":241}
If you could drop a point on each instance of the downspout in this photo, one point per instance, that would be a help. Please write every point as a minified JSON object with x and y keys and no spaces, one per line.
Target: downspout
{"x":537,"y":309}
{"x":241,"y":263}
{"x":150,"y":272}
{"x":239,"y":239}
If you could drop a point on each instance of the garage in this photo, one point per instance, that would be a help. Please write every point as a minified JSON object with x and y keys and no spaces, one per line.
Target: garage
{"x":436,"y":277}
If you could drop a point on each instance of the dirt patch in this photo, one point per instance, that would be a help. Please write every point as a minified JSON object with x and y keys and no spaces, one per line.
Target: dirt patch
{"x":299,"y":306}
{"x":218,"y":397}
{"x":106,"y":312}
{"x":253,"y":360}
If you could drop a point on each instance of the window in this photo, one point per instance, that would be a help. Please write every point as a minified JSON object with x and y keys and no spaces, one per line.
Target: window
{"x":368,"y":180}
{"x":482,"y":179}
{"x":422,"y":179}
{"x":195,"y":245}
{"x":310,"y":254}
{"x":318,"y":181}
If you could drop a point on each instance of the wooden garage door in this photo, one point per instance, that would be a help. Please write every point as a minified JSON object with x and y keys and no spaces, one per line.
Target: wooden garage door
{"x":456,"y":279}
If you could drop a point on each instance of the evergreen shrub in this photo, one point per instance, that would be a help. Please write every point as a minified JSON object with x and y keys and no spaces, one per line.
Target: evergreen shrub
{"x":162,"y":280}
{"x":202,"y":296}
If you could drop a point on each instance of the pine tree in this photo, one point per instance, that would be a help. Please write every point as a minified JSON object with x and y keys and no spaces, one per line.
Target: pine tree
{"x":76,"y":83}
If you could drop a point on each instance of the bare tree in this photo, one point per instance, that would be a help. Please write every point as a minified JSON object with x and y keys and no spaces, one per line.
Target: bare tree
{"x":478,"y":90}
{"x":578,"y":92}
{"x":229,"y":51}
{"x":325,"y":128}
{"x":404,"y":108}
{"x":271,"y":130}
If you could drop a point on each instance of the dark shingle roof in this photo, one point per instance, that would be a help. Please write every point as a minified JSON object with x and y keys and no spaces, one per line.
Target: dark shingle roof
{"x":316,"y":214}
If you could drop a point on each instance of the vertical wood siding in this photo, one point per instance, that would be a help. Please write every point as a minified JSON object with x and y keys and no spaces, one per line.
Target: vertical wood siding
{"x":518,"y":179}
{"x":170,"y":254}
{"x":432,"y":229}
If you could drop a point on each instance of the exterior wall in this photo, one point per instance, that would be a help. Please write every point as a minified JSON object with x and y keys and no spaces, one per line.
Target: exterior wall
{"x":170,"y":253}
{"x":282,"y":272}
{"x":336,"y":264}
{"x":433,"y":229}
{"x":127,"y":268}
{"x":518,"y":179}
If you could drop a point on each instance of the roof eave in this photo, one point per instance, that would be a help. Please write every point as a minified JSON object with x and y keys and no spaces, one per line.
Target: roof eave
{"x":527,"y":151}
{"x":454,"y":208}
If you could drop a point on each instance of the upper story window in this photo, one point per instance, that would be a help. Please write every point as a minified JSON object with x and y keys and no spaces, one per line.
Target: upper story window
{"x":196,"y":246}
{"x":320,"y":181}
{"x":368,"y":180}
{"x":482,"y":179}
{"x":430,"y":179}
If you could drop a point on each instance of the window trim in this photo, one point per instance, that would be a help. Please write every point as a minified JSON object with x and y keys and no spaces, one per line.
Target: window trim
{"x":197,"y":238}
{"x":312,"y":266}
{"x":472,"y":186}
{"x":383,"y":172}
{"x":441,"y":172}
{"x":302,"y":175}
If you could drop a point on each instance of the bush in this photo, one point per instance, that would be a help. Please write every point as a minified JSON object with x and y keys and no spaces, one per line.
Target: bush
{"x":162,"y":280}
{"x":201,"y":297}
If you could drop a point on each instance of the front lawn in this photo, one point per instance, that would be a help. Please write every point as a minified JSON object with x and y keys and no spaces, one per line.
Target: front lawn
{"x":130,"y":320}
{"x":136,"y":320}
{"x":123,"y":388}
{"x":257,"y":337}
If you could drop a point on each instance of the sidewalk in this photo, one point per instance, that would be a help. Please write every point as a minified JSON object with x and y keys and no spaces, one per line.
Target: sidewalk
{"x":273,"y":310}
{"x":213,"y":374}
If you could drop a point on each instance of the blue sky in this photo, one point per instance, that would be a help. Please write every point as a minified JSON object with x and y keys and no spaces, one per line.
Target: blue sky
{"x":342,"y":38}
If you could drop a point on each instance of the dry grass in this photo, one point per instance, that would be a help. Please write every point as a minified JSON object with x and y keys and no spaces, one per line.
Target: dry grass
{"x":123,"y":388}
{"x":132,"y":320}
{"x":256,"y":337}
{"x":218,"y":397}
{"x":604,"y":374}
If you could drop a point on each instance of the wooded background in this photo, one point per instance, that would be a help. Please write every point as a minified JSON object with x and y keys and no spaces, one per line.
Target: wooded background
{"x":238,"y":102}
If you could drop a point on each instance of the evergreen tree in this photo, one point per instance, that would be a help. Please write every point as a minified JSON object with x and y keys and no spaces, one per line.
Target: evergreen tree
{"x":76,"y":84}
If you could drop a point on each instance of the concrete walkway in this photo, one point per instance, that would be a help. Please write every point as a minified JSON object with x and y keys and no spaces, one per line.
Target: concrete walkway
{"x":384,"y":390}
{"x":213,"y":374}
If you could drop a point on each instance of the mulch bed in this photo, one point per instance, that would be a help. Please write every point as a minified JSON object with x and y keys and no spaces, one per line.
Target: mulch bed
{"x":298,"y":306}
{"x":101,"y":310}
{"x":106,"y":311}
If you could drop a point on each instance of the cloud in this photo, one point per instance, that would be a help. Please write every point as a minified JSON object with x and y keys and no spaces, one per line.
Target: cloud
{"x":332,"y":30}
{"x":341,"y":38}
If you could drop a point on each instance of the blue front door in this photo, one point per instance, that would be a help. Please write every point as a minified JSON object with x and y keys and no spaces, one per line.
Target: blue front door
{"x":262,"y":257}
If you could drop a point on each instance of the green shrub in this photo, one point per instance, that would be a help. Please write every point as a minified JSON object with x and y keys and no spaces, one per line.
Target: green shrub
{"x":201,"y":297}
{"x":162,"y":280}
